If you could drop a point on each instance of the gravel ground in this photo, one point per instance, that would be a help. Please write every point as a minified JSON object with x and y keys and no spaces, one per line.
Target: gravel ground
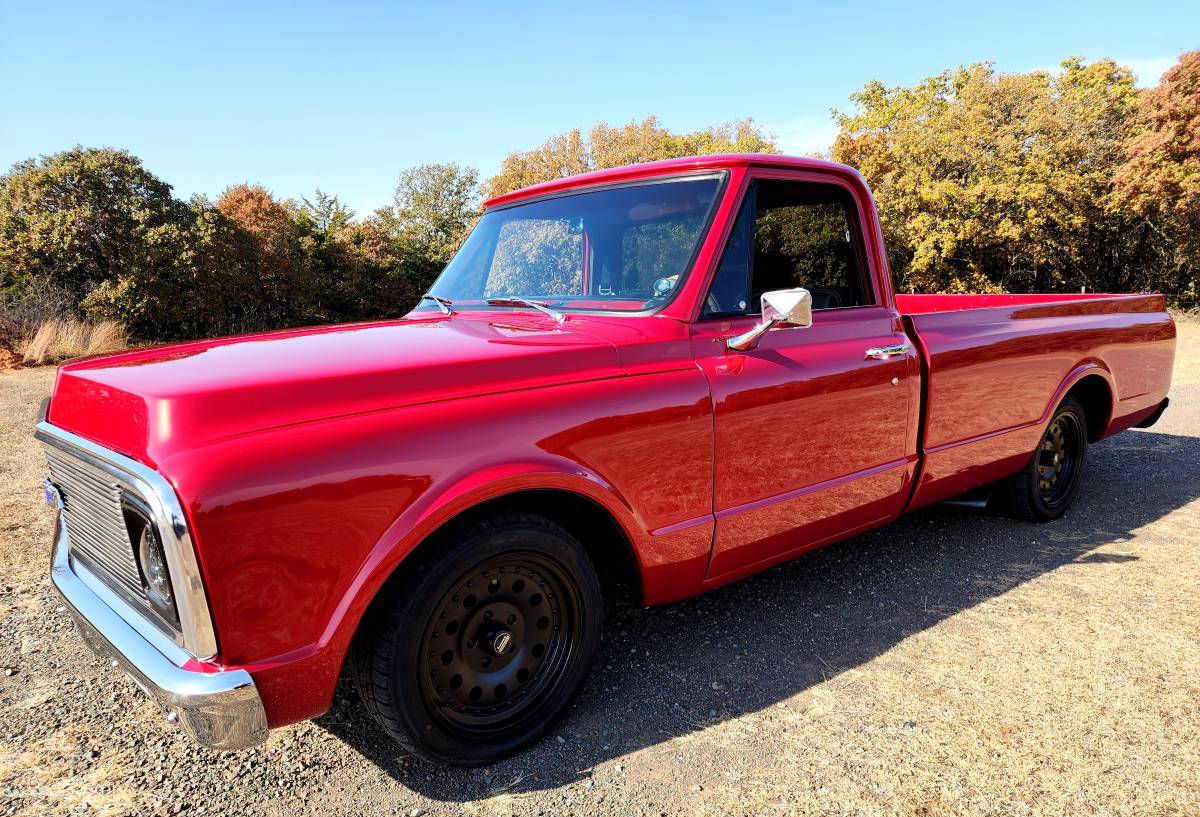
{"x":953,"y":663}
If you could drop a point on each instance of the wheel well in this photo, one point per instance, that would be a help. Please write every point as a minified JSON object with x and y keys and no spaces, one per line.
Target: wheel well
{"x":590,"y":524}
{"x":1094,"y":395}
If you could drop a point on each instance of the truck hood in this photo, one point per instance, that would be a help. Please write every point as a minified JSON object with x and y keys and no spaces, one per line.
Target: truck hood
{"x":149,"y":403}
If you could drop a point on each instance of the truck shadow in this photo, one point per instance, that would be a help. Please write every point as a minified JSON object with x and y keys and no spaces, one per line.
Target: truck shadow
{"x":666,"y":672}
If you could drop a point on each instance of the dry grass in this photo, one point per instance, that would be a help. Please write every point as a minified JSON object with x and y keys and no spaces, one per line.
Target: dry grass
{"x":57,"y":340}
{"x":25,"y":522}
{"x":51,"y":778}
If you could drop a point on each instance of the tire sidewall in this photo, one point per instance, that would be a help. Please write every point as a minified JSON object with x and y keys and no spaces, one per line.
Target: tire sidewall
{"x":1045,"y":511}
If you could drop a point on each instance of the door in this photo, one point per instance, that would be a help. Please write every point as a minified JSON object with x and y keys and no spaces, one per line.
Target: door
{"x":814,"y":433}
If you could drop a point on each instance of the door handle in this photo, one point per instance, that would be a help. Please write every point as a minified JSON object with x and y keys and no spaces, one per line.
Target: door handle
{"x":885,"y":352}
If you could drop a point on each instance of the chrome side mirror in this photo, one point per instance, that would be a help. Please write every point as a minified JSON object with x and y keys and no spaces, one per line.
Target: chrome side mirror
{"x":782,"y":307}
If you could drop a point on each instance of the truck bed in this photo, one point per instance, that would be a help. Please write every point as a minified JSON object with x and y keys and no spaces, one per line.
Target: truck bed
{"x":998,"y":365}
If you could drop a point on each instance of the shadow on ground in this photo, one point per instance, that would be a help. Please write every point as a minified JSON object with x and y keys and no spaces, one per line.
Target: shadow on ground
{"x":771,"y":636}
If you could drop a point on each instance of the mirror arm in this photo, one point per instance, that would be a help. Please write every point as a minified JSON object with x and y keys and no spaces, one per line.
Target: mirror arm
{"x":787,"y":306}
{"x":748,"y":340}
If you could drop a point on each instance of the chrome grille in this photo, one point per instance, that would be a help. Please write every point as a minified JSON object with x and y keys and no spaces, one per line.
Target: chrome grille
{"x":95,"y":521}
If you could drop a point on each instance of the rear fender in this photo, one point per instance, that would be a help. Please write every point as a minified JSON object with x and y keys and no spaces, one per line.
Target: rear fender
{"x":1087,"y":368}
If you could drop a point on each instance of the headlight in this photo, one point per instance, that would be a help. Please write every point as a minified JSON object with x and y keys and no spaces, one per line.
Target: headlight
{"x":156,"y":578}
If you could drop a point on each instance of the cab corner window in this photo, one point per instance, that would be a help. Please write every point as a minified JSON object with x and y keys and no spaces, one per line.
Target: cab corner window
{"x":791,"y":234}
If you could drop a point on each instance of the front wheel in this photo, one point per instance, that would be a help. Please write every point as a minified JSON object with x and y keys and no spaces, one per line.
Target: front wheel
{"x":1045,"y":488}
{"x":476,"y":652}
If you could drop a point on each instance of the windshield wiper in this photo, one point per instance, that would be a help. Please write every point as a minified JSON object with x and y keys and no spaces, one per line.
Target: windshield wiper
{"x":517,"y":300}
{"x":444,"y":304}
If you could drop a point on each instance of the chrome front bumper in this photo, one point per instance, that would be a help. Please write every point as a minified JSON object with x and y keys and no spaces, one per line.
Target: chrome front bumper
{"x":221,"y":709}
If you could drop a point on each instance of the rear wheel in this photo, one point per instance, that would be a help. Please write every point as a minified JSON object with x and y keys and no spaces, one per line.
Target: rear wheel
{"x":477,"y":651}
{"x":1045,"y":488}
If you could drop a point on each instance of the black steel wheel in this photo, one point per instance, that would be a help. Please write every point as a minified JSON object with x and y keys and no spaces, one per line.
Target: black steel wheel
{"x":501,"y":639}
{"x":484,"y":645}
{"x":1045,"y":488}
{"x":1058,"y":457}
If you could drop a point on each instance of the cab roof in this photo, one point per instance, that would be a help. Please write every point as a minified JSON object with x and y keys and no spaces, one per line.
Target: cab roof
{"x":667,"y":167}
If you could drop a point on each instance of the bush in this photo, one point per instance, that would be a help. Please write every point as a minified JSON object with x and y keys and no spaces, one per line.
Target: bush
{"x":40,"y":302}
{"x":56,"y":340}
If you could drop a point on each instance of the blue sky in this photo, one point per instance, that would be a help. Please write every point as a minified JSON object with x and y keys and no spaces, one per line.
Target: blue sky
{"x":345,"y":95}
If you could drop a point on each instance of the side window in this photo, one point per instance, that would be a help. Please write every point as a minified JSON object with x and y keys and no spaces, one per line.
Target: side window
{"x":805,"y":235}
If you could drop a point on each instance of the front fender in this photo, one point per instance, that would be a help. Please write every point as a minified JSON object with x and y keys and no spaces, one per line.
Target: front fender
{"x":438,"y":507}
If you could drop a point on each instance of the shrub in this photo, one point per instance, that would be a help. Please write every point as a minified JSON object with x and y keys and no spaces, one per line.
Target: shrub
{"x":20,"y":315}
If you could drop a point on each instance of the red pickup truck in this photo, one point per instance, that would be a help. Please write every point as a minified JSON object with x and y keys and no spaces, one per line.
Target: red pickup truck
{"x":661,"y":377}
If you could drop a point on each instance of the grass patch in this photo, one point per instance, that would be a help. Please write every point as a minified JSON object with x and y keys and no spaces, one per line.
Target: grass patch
{"x":56,"y":340}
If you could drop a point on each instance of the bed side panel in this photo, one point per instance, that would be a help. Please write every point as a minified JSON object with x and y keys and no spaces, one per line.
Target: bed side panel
{"x":997,"y":373}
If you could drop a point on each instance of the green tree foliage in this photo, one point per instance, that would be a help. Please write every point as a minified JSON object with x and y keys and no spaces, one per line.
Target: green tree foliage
{"x":377,"y":279}
{"x":81,"y":218}
{"x":324,"y":216}
{"x":536,"y":256}
{"x":434,"y":206}
{"x":988,"y":181}
{"x":570,"y":153}
{"x":1160,"y":180}
{"x":809,"y":240}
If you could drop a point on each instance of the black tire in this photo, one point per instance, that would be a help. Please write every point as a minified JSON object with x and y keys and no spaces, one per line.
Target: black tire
{"x":1046,"y":487}
{"x":434,"y":664}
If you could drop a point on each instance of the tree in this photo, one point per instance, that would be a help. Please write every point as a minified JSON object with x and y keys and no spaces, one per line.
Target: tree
{"x":377,"y":274}
{"x":75,"y":219}
{"x":267,"y":237}
{"x":739,"y":136}
{"x":569,"y":153}
{"x":267,"y":223}
{"x":559,"y":156}
{"x":644,"y":141}
{"x":996,"y":182}
{"x":320,"y":224}
{"x":214,"y":284}
{"x":324,"y":214}
{"x":1160,"y":180}
{"x":435,"y":204}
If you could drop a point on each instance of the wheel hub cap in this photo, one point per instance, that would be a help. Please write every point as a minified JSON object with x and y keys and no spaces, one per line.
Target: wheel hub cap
{"x":500,"y":642}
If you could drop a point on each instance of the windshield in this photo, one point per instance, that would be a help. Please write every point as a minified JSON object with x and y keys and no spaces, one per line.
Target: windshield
{"x":623,"y":248}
